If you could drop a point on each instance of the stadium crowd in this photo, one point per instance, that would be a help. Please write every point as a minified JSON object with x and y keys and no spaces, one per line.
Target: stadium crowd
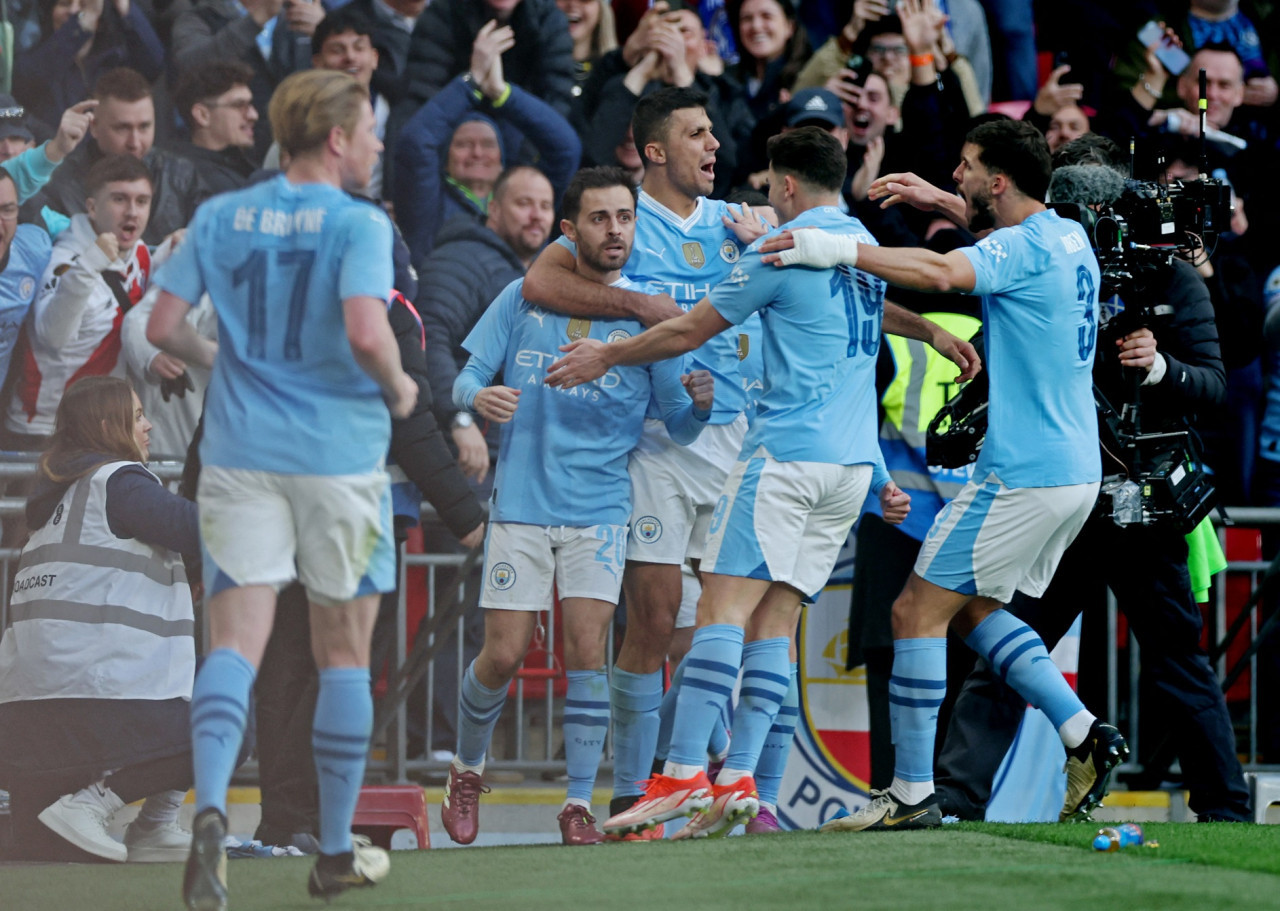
{"x":126,"y":116}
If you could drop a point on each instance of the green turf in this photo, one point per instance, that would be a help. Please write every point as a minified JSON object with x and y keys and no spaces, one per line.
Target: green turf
{"x":984,"y":867}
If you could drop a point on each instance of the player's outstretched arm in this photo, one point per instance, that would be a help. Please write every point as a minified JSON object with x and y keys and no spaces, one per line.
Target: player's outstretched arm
{"x":374,"y":347}
{"x":551,"y":282}
{"x":892,"y":189}
{"x":588,"y":359}
{"x":169,"y":331}
{"x":906,"y":267}
{"x":902,"y":322}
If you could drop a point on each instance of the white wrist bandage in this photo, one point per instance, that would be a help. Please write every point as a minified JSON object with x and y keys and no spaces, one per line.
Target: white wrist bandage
{"x":820,"y":250}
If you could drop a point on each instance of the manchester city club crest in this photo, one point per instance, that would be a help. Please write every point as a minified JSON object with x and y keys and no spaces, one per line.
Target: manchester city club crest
{"x":648,"y":529}
{"x":618,"y":335}
{"x":26,"y":287}
{"x":502,"y":576}
{"x":578,"y":328}
{"x":744,"y":346}
{"x":693,"y":254}
{"x":729,"y":251}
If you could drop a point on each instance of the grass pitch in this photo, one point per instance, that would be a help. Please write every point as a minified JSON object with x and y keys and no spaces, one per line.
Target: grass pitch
{"x":971,"y":865}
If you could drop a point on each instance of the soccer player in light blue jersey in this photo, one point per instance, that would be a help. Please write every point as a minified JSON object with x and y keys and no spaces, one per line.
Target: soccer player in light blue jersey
{"x":805,"y":466}
{"x":1036,"y":478}
{"x":296,"y":432}
{"x":685,"y":245}
{"x":562,"y":497}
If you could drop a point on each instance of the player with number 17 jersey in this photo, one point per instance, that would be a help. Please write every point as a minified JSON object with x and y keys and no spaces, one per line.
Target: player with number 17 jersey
{"x":284,"y":364}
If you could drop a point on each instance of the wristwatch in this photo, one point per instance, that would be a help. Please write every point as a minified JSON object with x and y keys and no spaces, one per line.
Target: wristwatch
{"x":463,"y":419}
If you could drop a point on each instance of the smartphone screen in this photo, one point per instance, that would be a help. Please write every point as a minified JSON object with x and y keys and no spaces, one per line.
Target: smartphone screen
{"x":1171,"y":57}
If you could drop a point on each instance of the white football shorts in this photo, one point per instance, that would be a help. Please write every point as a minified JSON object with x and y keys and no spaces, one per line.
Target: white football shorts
{"x":522,"y":562}
{"x":991,"y":541}
{"x":785,"y":521}
{"x":331,"y":533}
{"x":674,"y":489}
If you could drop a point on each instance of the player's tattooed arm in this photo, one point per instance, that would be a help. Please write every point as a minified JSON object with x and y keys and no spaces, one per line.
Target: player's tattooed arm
{"x":551,"y":282}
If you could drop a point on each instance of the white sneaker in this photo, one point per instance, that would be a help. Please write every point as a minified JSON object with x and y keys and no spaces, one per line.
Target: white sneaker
{"x":165,"y":843}
{"x":81,"y":818}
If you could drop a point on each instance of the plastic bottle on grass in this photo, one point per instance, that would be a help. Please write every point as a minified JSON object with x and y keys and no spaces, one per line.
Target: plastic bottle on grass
{"x":1113,"y":838}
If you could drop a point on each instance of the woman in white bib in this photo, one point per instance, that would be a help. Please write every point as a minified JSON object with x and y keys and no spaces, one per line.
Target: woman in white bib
{"x":97,"y":665}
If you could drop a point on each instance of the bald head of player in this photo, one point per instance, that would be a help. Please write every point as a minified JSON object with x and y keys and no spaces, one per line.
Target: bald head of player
{"x":600,"y":218}
{"x":673,"y":135}
{"x":806,"y":170}
{"x":324,"y":124}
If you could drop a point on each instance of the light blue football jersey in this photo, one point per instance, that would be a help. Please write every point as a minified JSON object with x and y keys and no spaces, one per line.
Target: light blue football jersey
{"x":686,"y":258}
{"x":278,"y":259}
{"x":751,"y":362}
{"x":821,"y":335}
{"x":1039,"y":285}
{"x":28,"y":256}
{"x":562,"y":459}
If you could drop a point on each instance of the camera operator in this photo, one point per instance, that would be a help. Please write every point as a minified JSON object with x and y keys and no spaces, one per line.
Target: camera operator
{"x":1145,"y":565}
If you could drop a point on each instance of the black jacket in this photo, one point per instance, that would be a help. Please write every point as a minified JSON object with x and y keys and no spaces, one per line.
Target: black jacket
{"x":175,"y":190}
{"x":418,"y":446}
{"x":1195,"y":382}
{"x":217,"y":172}
{"x":541,"y":61}
{"x":468,"y":268}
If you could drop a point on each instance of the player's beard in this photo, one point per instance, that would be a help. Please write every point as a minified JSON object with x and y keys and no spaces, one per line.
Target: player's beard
{"x":595,"y":258}
{"x":984,"y":213}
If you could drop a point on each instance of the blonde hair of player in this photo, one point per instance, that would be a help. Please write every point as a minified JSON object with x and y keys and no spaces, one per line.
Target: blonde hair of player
{"x":308,"y":105}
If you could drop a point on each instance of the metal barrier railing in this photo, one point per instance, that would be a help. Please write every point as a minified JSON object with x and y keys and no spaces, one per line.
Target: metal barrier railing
{"x":397,"y":766}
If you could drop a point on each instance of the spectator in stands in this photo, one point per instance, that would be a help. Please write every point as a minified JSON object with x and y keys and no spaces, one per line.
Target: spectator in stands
{"x":450,"y":153}
{"x":171,"y":390}
{"x":771,"y":50}
{"x":392,"y":23}
{"x":344,"y":41}
{"x":96,"y":670}
{"x":125,"y":124}
{"x":963,"y":44}
{"x":82,"y":40}
{"x":214,"y":100}
{"x":99,"y":268}
{"x":540,"y":60}
{"x":269,"y":35}
{"x":1056,"y":110}
{"x":470,"y":265}
{"x":593,"y":32}
{"x":30,"y":166}
{"x":673,"y":54}
{"x":1215,"y":23}
{"x":24,"y":253}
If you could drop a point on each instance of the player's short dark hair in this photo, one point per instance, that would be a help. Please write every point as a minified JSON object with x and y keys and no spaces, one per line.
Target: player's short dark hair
{"x":113,"y":168}
{"x":1089,"y":149}
{"x":122,"y":84}
{"x":500,"y":185}
{"x":1017,"y":150}
{"x":207,"y":80}
{"x":811,"y":155}
{"x":340,"y":21}
{"x":650,"y":120}
{"x":595,"y":179}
